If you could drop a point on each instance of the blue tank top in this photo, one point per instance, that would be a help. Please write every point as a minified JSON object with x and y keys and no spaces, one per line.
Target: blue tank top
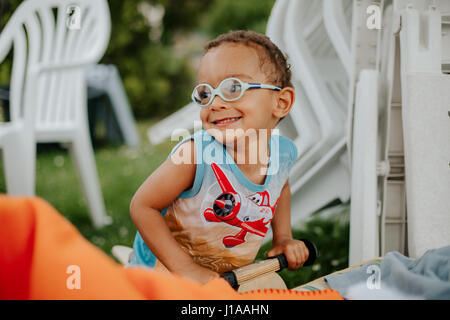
{"x":222,"y":220}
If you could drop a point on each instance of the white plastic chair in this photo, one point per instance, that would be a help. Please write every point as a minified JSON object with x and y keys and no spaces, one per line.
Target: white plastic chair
{"x":321,"y":174}
{"x":364,"y":227}
{"x":107,"y":79}
{"x":48,"y":89}
{"x":339,"y":33}
{"x":337,"y":16}
{"x":300,"y":124}
{"x":305,"y":68}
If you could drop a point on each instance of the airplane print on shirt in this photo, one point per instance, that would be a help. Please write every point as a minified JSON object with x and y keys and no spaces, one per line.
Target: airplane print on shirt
{"x":251,"y":213}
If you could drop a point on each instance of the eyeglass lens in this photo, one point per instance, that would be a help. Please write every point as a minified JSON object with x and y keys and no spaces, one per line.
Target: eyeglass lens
{"x":202,"y":94}
{"x":230,"y":90}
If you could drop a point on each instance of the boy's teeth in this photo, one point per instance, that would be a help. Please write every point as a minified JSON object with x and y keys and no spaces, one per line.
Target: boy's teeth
{"x":228,"y":120}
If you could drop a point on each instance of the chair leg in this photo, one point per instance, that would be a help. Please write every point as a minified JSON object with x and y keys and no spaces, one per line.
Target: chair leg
{"x":19,"y":161}
{"x":83,"y":158}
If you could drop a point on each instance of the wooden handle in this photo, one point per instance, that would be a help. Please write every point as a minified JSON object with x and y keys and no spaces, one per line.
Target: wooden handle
{"x":240,"y":275}
{"x":257,"y":269}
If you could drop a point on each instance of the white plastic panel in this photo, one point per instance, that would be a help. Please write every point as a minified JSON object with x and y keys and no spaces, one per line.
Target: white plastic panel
{"x":427,"y":153}
{"x":364,"y":228}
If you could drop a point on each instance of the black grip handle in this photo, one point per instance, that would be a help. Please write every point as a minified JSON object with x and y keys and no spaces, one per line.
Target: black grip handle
{"x":230,"y":276}
{"x":313,"y":252}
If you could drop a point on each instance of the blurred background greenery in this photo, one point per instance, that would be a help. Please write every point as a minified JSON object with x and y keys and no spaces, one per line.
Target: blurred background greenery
{"x":156,"y":45}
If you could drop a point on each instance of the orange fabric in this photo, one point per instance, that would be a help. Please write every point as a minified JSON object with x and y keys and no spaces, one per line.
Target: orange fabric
{"x":38,"y":246}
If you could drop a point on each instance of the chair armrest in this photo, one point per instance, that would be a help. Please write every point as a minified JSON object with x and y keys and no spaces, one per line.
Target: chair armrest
{"x":5,"y":43}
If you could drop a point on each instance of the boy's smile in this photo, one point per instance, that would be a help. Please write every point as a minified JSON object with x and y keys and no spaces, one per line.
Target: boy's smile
{"x":223,"y":122}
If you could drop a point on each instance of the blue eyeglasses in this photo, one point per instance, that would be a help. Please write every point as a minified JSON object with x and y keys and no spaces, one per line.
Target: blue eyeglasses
{"x":230,"y":89}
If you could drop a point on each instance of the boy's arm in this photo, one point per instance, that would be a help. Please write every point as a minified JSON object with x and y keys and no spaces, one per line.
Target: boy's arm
{"x":281,"y":222}
{"x":160,"y":189}
{"x":283,"y":242}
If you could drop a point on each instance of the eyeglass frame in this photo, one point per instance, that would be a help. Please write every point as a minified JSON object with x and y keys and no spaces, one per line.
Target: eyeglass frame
{"x":245,"y":86}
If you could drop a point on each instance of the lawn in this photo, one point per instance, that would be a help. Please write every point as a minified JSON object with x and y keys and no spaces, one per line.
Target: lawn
{"x":122,"y":169}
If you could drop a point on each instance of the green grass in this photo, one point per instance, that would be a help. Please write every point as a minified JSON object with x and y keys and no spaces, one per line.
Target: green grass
{"x":121,"y":171}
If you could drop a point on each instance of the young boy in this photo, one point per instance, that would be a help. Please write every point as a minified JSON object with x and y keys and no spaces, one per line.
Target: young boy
{"x":209,"y":213}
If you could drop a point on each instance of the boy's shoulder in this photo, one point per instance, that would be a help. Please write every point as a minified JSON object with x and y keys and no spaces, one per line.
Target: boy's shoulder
{"x":190,"y":147}
{"x":286,"y":146}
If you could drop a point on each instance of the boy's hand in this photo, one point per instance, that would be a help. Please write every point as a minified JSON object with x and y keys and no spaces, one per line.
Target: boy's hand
{"x":197,"y":273}
{"x":295,"y":251}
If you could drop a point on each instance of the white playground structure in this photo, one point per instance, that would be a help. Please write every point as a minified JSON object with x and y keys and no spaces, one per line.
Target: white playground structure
{"x":371,"y":119}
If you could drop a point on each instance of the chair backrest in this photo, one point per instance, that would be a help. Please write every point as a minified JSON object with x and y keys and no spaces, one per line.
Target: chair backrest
{"x":300,"y":125}
{"x":53,"y":40}
{"x":308,"y":46}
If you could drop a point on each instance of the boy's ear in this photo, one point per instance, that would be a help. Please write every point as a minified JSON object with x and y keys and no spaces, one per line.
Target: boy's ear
{"x":286,"y":99}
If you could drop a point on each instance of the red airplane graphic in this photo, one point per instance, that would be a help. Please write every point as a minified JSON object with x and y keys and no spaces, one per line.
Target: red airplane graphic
{"x":227,"y":206}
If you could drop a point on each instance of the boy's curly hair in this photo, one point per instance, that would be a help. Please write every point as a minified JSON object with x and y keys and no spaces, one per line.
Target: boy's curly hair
{"x":273,"y":61}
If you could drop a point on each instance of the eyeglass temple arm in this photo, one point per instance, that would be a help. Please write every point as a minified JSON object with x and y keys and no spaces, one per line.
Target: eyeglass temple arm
{"x":262,"y":86}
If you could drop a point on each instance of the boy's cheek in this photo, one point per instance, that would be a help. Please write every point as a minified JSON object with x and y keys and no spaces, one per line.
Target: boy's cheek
{"x":204,"y":116}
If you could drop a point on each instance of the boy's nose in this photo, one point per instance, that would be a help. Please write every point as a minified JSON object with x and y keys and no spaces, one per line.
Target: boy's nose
{"x":218,"y":104}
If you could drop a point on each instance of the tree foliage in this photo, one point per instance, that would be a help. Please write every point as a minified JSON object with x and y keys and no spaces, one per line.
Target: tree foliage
{"x":225,"y":15}
{"x":157,"y":83}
